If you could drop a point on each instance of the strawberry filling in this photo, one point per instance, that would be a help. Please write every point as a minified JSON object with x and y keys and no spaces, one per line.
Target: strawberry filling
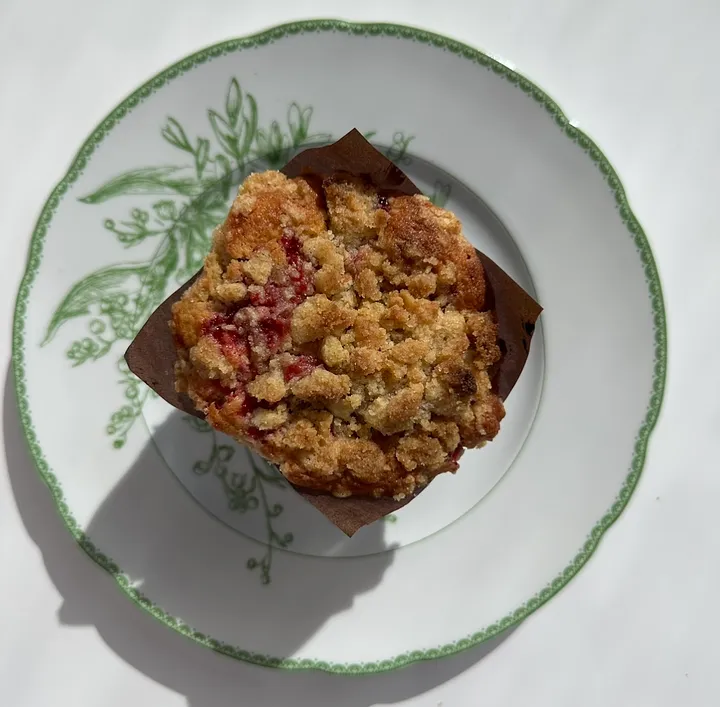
{"x":249,"y":336}
{"x":300,"y":367}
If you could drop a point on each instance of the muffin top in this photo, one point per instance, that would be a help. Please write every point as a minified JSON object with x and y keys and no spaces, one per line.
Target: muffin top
{"x":342,"y":334}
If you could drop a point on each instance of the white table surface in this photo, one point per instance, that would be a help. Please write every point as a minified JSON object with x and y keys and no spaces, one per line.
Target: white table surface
{"x":638,"y":626}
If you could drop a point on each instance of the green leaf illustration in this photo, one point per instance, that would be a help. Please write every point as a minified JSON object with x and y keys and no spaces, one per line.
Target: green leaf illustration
{"x":146,"y":180}
{"x":233,"y":101}
{"x":86,"y":349}
{"x":250,"y":119}
{"x":223,"y":132}
{"x":136,"y":229}
{"x":173,"y":132}
{"x":90,"y":290}
{"x":165,"y":210}
{"x":271,"y":145}
{"x":155,"y":281}
{"x":225,"y":174}
{"x":298,"y":120}
{"x":202,"y":154}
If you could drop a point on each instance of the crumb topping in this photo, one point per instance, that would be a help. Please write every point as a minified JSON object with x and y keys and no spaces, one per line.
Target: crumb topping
{"x":342,"y":335}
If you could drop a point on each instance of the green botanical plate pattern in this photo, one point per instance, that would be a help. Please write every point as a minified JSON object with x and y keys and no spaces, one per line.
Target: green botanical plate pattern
{"x":132,"y":218}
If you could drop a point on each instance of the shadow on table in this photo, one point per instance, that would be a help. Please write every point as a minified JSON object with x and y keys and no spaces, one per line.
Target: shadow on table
{"x":91,"y":598}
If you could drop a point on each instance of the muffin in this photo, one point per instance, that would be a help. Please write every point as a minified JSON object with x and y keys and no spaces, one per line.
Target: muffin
{"x":344,"y":333}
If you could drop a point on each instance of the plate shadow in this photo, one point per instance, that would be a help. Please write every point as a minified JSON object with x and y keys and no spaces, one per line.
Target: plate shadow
{"x":206,"y":679}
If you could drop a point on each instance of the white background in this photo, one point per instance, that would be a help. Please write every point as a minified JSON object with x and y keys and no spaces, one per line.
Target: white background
{"x":638,"y":626}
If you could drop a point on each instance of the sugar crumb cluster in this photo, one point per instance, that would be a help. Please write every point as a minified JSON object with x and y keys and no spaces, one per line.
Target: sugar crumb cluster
{"x":343,"y":334}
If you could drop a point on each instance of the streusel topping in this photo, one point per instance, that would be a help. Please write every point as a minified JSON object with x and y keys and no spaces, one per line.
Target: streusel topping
{"x":342,"y":335}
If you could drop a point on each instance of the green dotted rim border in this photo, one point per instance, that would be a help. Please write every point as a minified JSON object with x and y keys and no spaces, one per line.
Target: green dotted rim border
{"x":628,"y":218}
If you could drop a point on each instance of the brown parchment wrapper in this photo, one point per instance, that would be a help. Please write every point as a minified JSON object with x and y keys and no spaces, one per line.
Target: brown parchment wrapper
{"x":152,"y":354}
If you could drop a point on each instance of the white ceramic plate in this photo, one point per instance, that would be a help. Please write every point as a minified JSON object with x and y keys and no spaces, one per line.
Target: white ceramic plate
{"x":231,"y":557}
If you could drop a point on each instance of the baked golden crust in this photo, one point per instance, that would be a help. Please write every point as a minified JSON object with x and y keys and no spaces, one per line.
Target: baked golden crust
{"x":342,"y":335}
